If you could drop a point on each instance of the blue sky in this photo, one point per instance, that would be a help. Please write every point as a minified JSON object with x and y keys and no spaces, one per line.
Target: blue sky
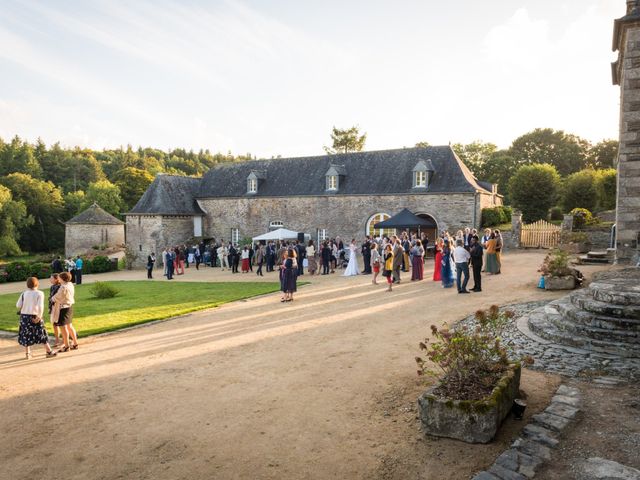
{"x":273,"y":77}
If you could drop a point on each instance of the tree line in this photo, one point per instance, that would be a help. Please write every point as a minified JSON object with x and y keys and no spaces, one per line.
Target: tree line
{"x":41,"y":187}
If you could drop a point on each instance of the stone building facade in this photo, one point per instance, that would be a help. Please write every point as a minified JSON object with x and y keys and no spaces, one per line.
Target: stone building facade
{"x":337,"y":195}
{"x":626,"y":73}
{"x":93,"y":228}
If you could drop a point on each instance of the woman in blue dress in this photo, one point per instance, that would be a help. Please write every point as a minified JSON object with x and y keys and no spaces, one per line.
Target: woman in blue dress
{"x":446,"y":273}
{"x":289,"y":276}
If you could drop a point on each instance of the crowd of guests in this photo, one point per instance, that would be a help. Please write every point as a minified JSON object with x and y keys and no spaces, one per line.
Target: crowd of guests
{"x":71,"y":265}
{"x":32,"y":330}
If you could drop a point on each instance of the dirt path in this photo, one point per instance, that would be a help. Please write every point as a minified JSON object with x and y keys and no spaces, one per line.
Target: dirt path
{"x":319,"y":388}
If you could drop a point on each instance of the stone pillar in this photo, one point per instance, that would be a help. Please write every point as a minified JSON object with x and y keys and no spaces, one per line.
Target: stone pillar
{"x":516,"y":227}
{"x":626,"y":73}
{"x":567,"y":224}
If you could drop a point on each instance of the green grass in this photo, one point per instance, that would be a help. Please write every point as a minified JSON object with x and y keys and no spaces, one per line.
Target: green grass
{"x":140,"y":302}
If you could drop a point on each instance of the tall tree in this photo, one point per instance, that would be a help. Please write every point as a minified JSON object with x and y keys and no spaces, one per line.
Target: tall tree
{"x":534,"y":190}
{"x":566,"y":152}
{"x":499,"y":168}
{"x":45,"y":204}
{"x":346,"y":140}
{"x":475,"y":155}
{"x":603,"y":154}
{"x":105,"y":194}
{"x":18,"y":156}
{"x":13,"y":218}
{"x":132,"y":182}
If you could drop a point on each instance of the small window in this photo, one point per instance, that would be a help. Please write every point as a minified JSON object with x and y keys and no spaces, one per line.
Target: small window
{"x":235,"y":235}
{"x":332,"y":182}
{"x":420,"y":179}
{"x":252,"y":185}
{"x":140,"y":247}
{"x":276,"y":224}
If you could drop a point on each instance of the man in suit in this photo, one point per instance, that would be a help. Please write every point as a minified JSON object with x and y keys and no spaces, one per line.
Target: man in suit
{"x":476,"y":263}
{"x":406,"y":248}
{"x":366,"y":255}
{"x":467,"y":239}
{"x":302,"y":253}
{"x":398,"y":256}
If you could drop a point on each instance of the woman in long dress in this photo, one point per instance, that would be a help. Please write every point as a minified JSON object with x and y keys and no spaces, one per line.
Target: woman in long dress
{"x":352,"y":267}
{"x":447,"y":271}
{"x":417,"y":261}
{"x":492,"y":265}
{"x":289,"y":276}
{"x":437,"y":269}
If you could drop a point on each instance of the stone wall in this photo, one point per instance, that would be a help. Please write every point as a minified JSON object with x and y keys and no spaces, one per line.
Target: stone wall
{"x":628,"y":199}
{"x":344,"y":216}
{"x":79,"y":239}
{"x":152,"y":233}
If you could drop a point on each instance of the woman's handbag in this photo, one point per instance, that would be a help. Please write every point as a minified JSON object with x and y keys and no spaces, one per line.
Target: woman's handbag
{"x":36,"y":320}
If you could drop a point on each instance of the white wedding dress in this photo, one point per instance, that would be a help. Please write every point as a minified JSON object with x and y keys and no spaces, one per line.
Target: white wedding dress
{"x":352,"y":267}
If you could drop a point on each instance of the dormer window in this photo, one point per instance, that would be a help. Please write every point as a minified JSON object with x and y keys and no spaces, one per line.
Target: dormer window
{"x":334,"y":176}
{"x":253,"y":181}
{"x":423,"y":174}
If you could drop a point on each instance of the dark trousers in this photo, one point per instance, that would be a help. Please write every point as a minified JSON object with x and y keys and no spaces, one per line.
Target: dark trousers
{"x":169,"y":271}
{"x":197,"y":263}
{"x":367,"y":263}
{"x":325,"y":266}
{"x":477,"y":276}
{"x":300,"y":268}
{"x":259,"y":271}
{"x":236,"y":262}
{"x":78,"y":277}
{"x":462,"y":269}
{"x":251,"y":263}
{"x":150,"y":271}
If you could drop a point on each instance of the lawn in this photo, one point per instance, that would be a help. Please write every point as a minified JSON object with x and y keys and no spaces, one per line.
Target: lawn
{"x":140,"y":302}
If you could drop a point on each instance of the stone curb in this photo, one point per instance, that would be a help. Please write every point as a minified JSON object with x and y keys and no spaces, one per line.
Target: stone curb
{"x":529,"y":452}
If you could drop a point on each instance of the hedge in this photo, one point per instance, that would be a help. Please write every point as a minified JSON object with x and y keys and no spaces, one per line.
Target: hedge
{"x":20,"y":271}
{"x":495,"y":216}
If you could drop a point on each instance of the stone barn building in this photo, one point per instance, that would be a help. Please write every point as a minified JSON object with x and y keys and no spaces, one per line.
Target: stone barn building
{"x":92,"y":228}
{"x":334,"y":195}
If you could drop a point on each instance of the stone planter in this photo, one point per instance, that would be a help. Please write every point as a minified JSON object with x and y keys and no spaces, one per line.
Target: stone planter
{"x":470,"y":421}
{"x":566,"y":282}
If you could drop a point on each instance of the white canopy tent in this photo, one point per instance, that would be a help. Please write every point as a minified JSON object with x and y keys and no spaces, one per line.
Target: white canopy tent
{"x":279,"y":234}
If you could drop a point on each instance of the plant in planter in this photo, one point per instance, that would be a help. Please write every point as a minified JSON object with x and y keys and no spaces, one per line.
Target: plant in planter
{"x":558,"y":275}
{"x":477,"y":380}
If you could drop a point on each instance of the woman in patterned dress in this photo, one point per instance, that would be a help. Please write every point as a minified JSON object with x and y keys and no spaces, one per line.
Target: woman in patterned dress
{"x":32,"y":331}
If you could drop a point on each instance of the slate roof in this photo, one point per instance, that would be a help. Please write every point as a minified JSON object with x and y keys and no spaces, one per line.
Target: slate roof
{"x":171,"y":195}
{"x":367,"y":173}
{"x":94,"y":215}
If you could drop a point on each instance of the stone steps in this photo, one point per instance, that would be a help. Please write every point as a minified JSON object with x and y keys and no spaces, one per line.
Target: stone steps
{"x":576,"y":315}
{"x":565,"y":324}
{"x":588,"y":259}
{"x":549,"y":325}
{"x":618,"y":293}
{"x":584,"y":299}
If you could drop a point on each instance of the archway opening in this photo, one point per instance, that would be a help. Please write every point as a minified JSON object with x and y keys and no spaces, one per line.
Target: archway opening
{"x":378,"y":232}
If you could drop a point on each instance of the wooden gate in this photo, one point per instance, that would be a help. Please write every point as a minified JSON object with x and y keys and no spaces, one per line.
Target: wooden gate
{"x":540,"y":234}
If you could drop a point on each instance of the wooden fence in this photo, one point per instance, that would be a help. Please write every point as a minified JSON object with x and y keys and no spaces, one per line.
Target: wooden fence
{"x":540,"y":234}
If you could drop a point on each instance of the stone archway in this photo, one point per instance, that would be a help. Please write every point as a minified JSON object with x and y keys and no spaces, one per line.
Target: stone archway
{"x":432,"y":233}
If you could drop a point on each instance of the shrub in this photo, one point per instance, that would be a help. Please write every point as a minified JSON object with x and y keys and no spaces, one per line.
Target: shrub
{"x":581,"y":217}
{"x":470,"y":361}
{"x":17,"y":271}
{"x":534,"y":190}
{"x":103,"y":290}
{"x":580,"y":191}
{"x":100,"y":264}
{"x":556,"y":213}
{"x":9,"y":247}
{"x":606,"y":184}
{"x":575,"y":237}
{"x":556,"y":264}
{"x":495,"y":216}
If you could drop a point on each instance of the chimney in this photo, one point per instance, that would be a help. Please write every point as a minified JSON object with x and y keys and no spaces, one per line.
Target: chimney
{"x":633,"y":6}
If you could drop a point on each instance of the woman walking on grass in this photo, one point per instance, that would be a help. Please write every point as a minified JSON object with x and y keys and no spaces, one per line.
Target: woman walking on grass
{"x":63,"y":311}
{"x":31,"y":309}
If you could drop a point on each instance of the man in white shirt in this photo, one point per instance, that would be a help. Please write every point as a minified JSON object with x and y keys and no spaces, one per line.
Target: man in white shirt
{"x":461,"y":257}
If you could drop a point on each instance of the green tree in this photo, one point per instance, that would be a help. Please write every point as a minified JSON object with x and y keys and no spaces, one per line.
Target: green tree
{"x":422,"y":145}
{"x":579,"y":191}
{"x":534,"y":189}
{"x":606,"y":185}
{"x":105,"y":194}
{"x":13,"y":218}
{"x":475,"y":155}
{"x":18,"y":156}
{"x":74,"y":203}
{"x":346,"y":140}
{"x":499,"y":169}
{"x":567,"y":152}
{"x":45,"y":205}
{"x":603,"y":154}
{"x":132,"y":182}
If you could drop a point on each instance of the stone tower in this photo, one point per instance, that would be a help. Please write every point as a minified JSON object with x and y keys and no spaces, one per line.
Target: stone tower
{"x":626,"y":73}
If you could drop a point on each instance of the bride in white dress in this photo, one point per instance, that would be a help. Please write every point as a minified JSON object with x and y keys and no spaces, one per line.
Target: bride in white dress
{"x":352,"y":267}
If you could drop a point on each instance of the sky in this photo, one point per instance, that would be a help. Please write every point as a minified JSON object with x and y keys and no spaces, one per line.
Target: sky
{"x":272,"y":77}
